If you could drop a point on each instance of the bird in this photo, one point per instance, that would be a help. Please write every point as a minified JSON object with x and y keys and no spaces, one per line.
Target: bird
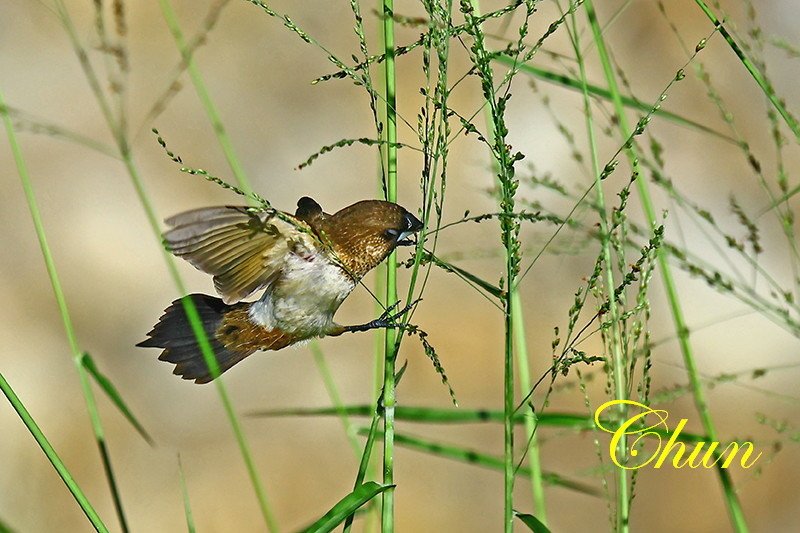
{"x":306,"y":264}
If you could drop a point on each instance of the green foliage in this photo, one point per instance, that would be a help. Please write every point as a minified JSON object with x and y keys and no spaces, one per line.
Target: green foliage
{"x":346,"y":507}
{"x":114,"y":395}
{"x":533,"y":523}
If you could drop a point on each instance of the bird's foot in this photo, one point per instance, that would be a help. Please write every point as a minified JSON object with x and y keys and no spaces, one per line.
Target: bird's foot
{"x":386,"y":320}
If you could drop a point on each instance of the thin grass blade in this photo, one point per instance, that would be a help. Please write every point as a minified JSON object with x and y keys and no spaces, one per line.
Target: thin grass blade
{"x":364,"y":464}
{"x":436,"y":416}
{"x":494,"y":290}
{"x":205,"y":98}
{"x":187,"y":508}
{"x":27,"y":122}
{"x":346,"y":507}
{"x":468,"y":456}
{"x":52,"y":456}
{"x":605,"y":94}
{"x":757,"y":75}
{"x":113,"y":394}
{"x":532,"y":522}
{"x":58,"y":293}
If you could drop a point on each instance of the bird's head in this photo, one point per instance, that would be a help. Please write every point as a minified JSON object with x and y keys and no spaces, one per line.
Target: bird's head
{"x":363,"y":234}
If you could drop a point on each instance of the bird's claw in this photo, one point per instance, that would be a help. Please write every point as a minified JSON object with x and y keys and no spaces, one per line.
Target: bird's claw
{"x":390,"y":319}
{"x":387,"y":312}
{"x":387,"y":318}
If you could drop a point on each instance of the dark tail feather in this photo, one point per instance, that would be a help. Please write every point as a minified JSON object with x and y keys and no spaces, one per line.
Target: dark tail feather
{"x":174,"y":333}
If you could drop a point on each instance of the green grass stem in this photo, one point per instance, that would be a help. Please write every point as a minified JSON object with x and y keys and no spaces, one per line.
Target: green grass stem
{"x":759,"y":78}
{"x":532,"y":420}
{"x":430,"y":415}
{"x":731,"y":498}
{"x":333,"y":393}
{"x":205,"y":98}
{"x":604,"y":94}
{"x":364,"y":464}
{"x":503,"y":162}
{"x":189,"y":307}
{"x":390,"y":349}
{"x":521,"y":351}
{"x":623,"y":492}
{"x":472,"y":457}
{"x":52,"y":456}
{"x":77,"y":353}
{"x":187,"y":506}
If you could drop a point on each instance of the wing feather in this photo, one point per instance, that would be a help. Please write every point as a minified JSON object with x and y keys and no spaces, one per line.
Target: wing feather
{"x":204,"y":214}
{"x":245,"y":251}
{"x":210,"y":237}
{"x":219,"y":256}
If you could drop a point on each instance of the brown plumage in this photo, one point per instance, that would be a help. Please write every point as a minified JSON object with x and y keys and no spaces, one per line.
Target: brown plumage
{"x":306,"y":264}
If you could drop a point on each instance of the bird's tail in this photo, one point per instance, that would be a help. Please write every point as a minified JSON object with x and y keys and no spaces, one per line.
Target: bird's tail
{"x":174,"y":333}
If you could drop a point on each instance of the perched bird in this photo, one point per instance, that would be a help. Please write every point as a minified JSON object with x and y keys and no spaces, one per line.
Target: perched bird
{"x":306,"y":264}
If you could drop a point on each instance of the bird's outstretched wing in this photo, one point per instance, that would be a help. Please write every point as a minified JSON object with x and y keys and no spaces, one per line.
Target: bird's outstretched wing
{"x":244,"y":249}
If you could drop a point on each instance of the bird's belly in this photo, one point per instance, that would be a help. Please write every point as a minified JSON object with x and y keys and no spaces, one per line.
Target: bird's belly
{"x":306,"y":297}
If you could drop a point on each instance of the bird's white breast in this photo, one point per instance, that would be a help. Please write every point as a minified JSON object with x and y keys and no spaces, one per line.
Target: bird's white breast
{"x":305,"y":297}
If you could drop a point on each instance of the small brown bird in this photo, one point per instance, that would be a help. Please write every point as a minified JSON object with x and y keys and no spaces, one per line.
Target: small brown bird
{"x":307,"y":263}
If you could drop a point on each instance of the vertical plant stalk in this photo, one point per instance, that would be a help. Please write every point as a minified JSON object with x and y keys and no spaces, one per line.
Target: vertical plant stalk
{"x":244,"y":184}
{"x":695,"y":383}
{"x":336,"y":399}
{"x":509,"y":226}
{"x":390,"y":348}
{"x":189,"y":307}
{"x":349,"y":430}
{"x":371,"y":467}
{"x":531,"y":422}
{"x":622,"y":494}
{"x":77,"y":354}
{"x":508,"y":374}
{"x":521,"y":350}
{"x":187,"y":507}
{"x":508,"y":365}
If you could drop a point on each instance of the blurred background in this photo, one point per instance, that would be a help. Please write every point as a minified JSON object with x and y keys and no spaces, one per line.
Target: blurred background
{"x":259,"y":75}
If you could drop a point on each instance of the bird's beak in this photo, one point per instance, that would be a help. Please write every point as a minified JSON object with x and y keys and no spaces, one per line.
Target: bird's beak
{"x":403,"y":239}
{"x":413,"y":224}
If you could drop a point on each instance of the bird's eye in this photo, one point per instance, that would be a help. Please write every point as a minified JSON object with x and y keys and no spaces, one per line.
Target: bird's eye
{"x":391,"y":233}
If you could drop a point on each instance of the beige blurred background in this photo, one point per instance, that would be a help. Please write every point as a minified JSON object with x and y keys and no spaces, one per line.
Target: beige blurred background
{"x":258,"y":74}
